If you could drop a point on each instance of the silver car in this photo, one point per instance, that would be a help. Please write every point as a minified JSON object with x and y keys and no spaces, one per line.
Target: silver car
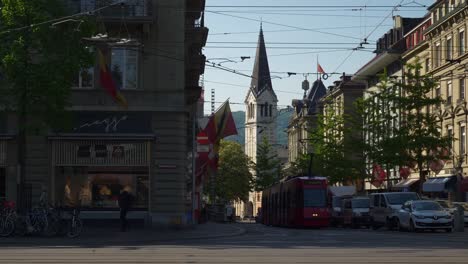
{"x":420,"y":215}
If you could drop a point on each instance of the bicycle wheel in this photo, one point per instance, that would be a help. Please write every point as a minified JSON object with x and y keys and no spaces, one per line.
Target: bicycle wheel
{"x":7,"y":227}
{"x":75,"y":228}
{"x":53,"y":226}
{"x":39,"y":223}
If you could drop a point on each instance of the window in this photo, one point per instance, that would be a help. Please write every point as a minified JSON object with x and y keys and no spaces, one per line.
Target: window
{"x":427,"y":65}
{"x":461,"y":42}
{"x":449,"y":92}
{"x":266,"y":109}
{"x":462,"y":88}
{"x":271,"y":110}
{"x":315,"y":198}
{"x":437,"y":91}
{"x":261,"y":109}
{"x":99,"y":187}
{"x":450,"y":134}
{"x":84,"y":79}
{"x":124,"y":68}
{"x":449,"y":48}
{"x":462,"y":139}
{"x":437,"y":55}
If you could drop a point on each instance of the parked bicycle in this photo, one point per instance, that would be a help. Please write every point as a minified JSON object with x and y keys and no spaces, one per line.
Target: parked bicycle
{"x":69,"y":225}
{"x":7,"y":219}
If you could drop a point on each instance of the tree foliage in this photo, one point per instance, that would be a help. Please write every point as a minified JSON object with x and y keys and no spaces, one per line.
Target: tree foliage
{"x":39,"y":61}
{"x":336,"y":144}
{"x":267,"y":167}
{"x":233,"y":180}
{"x":401,"y":122}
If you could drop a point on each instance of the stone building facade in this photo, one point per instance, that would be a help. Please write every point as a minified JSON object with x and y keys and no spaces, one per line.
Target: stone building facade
{"x":142,"y":149}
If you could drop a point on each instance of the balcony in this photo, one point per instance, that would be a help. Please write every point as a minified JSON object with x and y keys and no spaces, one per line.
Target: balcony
{"x":133,"y":11}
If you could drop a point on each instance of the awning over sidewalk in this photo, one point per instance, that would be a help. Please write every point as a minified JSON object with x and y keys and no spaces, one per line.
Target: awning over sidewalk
{"x":440,"y":184}
{"x":343,"y":190}
{"x":464,"y":185}
{"x":405,"y":184}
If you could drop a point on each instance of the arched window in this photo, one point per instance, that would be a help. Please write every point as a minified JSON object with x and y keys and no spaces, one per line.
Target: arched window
{"x":271,"y":110}
{"x":266,"y":109}
{"x":261,"y":110}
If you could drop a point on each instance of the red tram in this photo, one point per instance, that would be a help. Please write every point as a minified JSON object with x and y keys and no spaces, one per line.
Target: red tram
{"x":297,"y":202}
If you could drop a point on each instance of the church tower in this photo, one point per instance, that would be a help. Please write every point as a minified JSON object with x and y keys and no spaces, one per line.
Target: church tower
{"x":261,"y":104}
{"x":260,"y":116}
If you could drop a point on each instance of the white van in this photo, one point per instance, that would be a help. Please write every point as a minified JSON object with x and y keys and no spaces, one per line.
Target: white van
{"x":384,"y":207}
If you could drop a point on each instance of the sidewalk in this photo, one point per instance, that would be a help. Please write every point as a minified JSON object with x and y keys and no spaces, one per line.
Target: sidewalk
{"x":111,"y":236}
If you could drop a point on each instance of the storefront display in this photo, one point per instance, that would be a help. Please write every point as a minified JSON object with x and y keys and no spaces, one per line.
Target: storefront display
{"x":99,"y":187}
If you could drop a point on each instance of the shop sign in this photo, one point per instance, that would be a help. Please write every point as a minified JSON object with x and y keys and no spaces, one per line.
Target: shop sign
{"x":100,"y":151}
{"x":112,"y":122}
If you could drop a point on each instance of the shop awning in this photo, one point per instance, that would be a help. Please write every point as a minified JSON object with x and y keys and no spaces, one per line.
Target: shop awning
{"x":464,"y":185}
{"x":440,"y":184}
{"x":343,"y":190}
{"x":406,"y":183}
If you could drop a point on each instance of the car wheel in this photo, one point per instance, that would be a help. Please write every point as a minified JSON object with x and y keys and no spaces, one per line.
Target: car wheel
{"x":354,"y":225}
{"x":399,"y":227}
{"x":374,"y":225}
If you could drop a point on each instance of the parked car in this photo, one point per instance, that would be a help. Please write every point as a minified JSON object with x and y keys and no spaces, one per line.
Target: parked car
{"x":419,"y":215}
{"x":446,"y":205}
{"x":356,"y":212}
{"x":337,"y":210}
{"x":465,"y":211}
{"x":384,"y":207}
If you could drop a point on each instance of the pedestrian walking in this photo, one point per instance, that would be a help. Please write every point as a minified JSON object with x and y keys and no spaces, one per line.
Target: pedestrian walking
{"x":125,"y":200}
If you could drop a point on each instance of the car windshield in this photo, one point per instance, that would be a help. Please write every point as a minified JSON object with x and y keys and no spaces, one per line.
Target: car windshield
{"x":315,"y":198}
{"x":401,"y":198}
{"x":444,"y":204}
{"x":427,"y":206}
{"x":360,"y":203}
{"x":336,"y":201}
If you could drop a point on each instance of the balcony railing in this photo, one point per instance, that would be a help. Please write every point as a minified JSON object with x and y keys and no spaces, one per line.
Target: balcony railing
{"x":114,"y":8}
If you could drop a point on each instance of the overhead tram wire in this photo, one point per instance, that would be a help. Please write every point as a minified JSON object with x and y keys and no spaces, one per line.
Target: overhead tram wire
{"x":284,"y":25}
{"x":282,"y":31}
{"x":55,"y":20}
{"x":310,"y":6}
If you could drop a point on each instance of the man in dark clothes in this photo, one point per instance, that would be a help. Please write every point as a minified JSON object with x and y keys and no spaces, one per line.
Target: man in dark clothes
{"x":125,"y":200}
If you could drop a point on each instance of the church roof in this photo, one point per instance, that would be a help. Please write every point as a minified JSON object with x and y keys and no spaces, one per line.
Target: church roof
{"x":317,"y":91}
{"x":261,"y":79}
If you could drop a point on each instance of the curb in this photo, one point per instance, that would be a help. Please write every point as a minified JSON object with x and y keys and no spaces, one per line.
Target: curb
{"x":85,"y":243}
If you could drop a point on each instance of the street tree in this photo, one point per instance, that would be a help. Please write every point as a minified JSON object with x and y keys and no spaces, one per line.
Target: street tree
{"x":233,"y":180}
{"x":38,"y":62}
{"x":334,"y":150}
{"x":420,"y":134}
{"x":267,"y":167}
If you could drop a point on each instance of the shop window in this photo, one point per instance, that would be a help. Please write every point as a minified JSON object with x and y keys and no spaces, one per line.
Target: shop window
{"x":2,"y":184}
{"x":99,"y":187}
{"x":124,"y":68}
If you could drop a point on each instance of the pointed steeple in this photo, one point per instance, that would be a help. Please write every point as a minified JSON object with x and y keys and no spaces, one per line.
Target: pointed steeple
{"x":261,"y":78}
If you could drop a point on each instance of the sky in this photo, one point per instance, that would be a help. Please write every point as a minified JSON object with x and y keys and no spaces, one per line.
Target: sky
{"x":296,"y":34}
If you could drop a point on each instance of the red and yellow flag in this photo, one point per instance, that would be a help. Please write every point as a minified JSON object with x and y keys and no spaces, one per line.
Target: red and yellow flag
{"x":221,"y":124}
{"x":108,"y":83}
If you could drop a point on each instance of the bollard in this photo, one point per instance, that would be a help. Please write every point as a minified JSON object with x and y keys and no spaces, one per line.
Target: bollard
{"x":459,"y":218}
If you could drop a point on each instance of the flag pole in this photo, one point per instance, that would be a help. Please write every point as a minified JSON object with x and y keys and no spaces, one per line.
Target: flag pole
{"x":317,"y":67}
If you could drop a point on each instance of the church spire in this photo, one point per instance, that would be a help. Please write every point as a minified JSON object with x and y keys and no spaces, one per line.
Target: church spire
{"x":261,"y":78}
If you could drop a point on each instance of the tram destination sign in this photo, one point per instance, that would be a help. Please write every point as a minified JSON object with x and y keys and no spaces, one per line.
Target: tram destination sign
{"x":313,"y":182}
